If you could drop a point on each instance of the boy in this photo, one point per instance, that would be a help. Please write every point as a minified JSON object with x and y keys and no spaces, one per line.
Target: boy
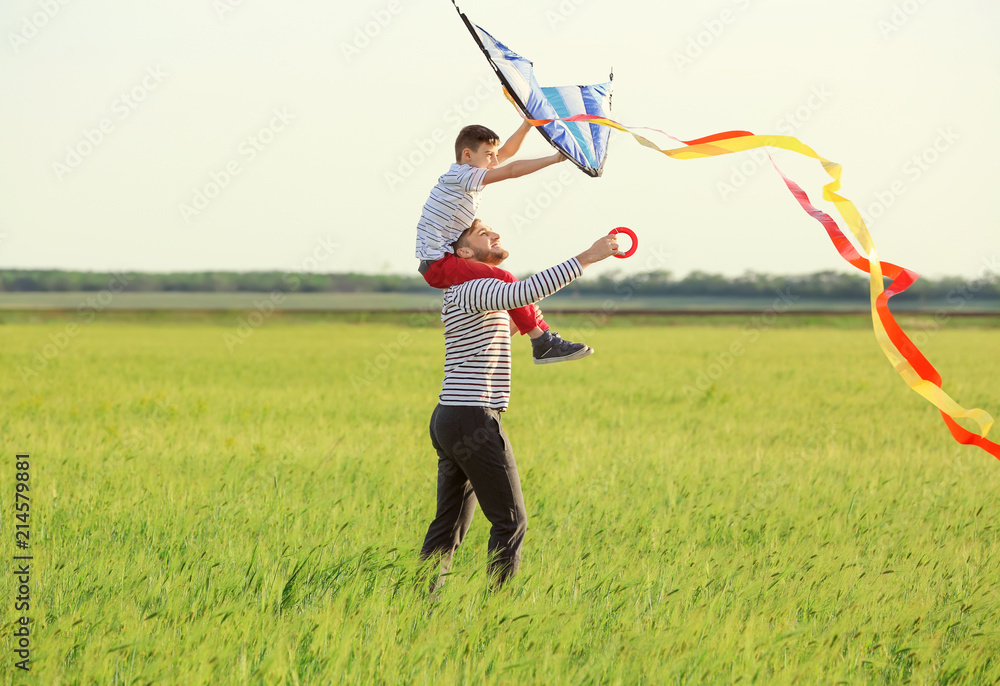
{"x":451,"y":209}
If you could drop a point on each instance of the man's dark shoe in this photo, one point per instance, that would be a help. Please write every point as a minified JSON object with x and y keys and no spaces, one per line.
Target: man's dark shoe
{"x":549,"y":348}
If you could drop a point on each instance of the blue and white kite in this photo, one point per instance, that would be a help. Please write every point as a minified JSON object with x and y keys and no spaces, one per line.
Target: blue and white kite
{"x":586,"y":145}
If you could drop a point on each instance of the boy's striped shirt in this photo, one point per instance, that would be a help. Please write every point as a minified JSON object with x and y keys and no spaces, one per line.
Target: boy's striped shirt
{"x":477,"y":333}
{"x":449,"y":210}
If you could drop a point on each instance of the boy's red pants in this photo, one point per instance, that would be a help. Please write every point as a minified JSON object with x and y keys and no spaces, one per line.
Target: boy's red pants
{"x":451,"y":271}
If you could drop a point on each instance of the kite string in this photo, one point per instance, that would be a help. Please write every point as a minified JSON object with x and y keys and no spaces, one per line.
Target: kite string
{"x":907,"y":359}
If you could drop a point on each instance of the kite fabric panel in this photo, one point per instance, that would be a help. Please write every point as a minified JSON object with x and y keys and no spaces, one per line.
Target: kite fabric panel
{"x":585,"y":144}
{"x":554,"y":111}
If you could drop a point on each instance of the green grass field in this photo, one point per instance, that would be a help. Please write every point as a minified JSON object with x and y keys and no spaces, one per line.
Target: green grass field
{"x":251,"y":515}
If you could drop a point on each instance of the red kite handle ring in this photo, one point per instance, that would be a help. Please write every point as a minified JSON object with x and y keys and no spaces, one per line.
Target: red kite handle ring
{"x":631,"y":234}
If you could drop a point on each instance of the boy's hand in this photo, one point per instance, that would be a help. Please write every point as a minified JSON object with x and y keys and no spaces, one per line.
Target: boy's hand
{"x":603,"y":248}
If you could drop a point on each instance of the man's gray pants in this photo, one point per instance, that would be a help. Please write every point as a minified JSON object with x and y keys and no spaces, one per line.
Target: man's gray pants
{"x":475,"y":463}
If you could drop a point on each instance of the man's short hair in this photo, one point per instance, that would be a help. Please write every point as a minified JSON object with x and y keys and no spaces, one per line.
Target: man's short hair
{"x":463,"y":240}
{"x":471,"y":137}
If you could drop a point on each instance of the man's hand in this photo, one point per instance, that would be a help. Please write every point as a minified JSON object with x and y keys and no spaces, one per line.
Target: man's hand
{"x":603,"y":248}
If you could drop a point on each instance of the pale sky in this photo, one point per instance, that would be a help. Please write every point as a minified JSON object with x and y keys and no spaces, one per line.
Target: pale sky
{"x":123,"y":122}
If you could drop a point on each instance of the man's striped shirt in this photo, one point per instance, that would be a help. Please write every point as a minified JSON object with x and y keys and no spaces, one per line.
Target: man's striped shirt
{"x":477,"y":333}
{"x":449,"y":210}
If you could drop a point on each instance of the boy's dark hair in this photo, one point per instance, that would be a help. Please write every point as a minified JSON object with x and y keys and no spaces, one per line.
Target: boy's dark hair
{"x":471,"y":137}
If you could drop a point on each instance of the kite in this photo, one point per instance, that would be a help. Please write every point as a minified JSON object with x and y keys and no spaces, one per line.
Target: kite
{"x":575,"y":120}
{"x":585,"y":144}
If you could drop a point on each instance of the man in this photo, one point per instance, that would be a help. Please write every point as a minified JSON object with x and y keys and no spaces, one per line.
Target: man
{"x":475,"y":460}
{"x":452,"y":206}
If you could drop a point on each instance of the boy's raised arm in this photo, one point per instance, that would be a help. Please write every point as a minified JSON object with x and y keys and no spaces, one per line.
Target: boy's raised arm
{"x":513,"y":144}
{"x":520,"y":168}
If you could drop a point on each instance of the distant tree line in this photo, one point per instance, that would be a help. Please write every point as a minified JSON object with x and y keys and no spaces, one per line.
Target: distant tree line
{"x":825,"y":284}
{"x":24,"y":281}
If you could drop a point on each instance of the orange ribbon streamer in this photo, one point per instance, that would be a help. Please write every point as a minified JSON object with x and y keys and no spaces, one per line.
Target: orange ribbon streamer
{"x":911,"y":364}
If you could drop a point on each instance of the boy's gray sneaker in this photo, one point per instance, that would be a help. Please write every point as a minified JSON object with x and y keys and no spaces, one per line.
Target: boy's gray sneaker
{"x":549,"y":348}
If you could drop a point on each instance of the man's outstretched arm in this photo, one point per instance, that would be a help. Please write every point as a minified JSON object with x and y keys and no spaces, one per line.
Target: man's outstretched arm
{"x":488,"y":295}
